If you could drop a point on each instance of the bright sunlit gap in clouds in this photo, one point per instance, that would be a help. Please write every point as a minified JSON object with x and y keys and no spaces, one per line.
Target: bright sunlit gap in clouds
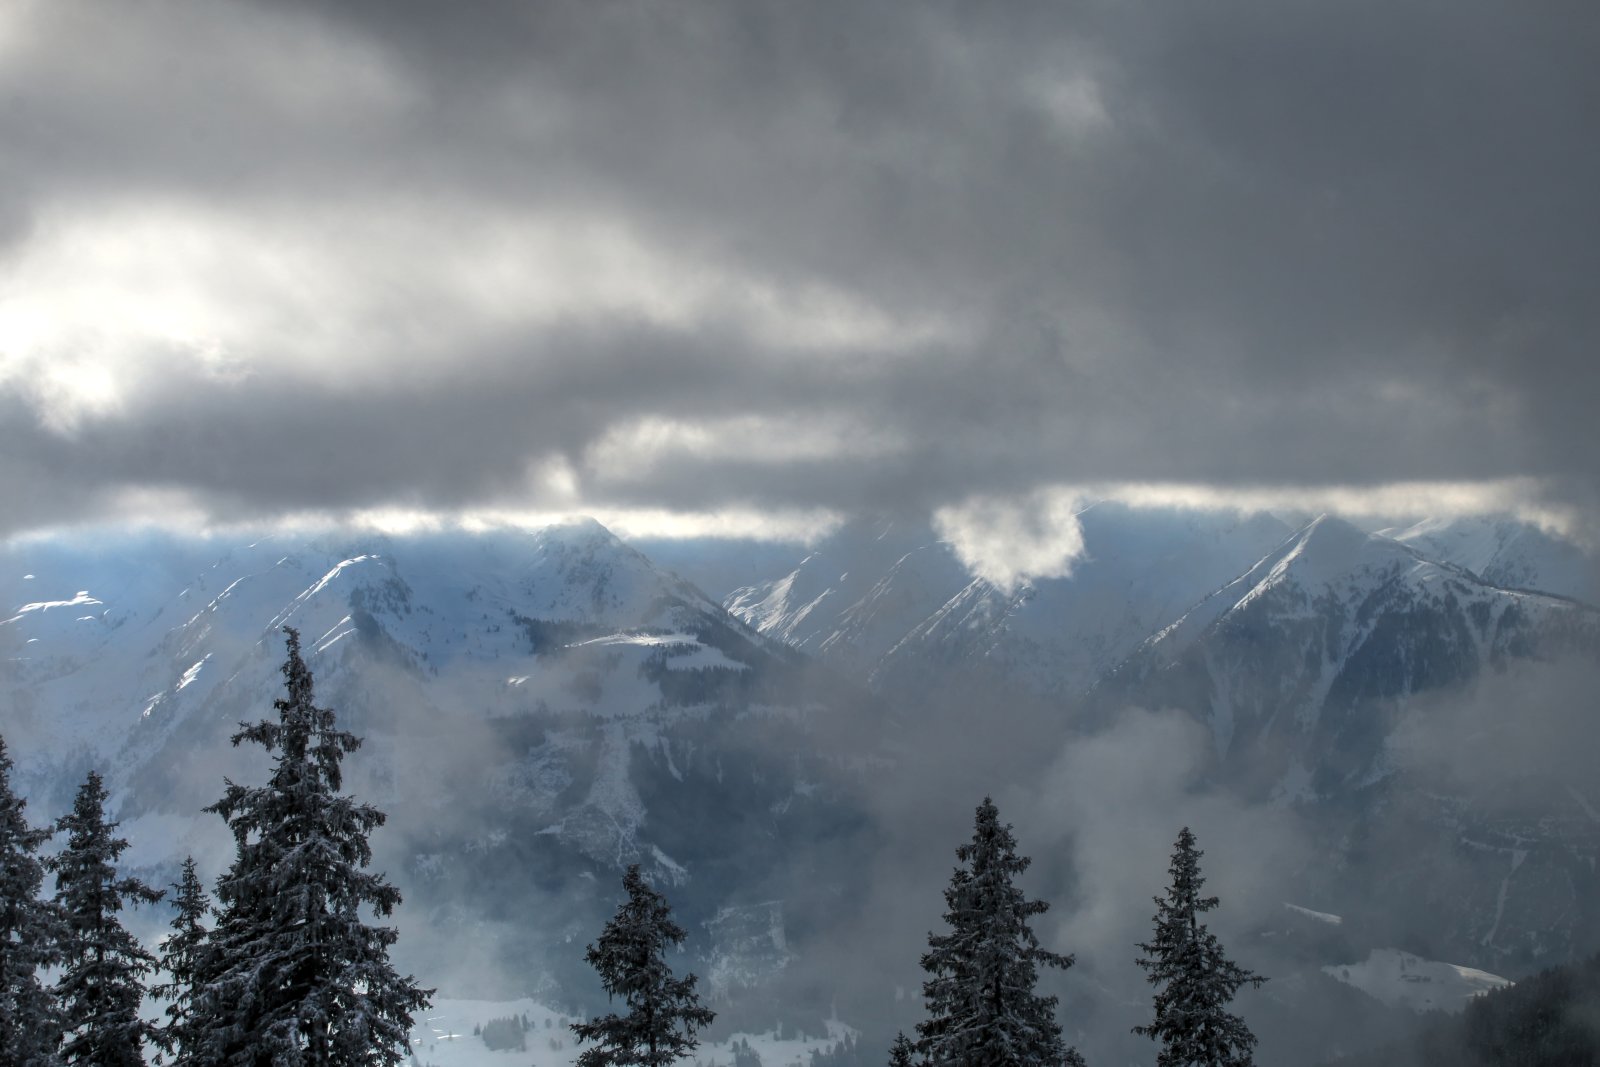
{"x":176,"y":512}
{"x":1003,"y":539}
{"x":354,"y":296}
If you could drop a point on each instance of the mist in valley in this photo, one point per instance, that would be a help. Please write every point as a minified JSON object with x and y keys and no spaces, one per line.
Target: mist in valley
{"x":804,"y":823}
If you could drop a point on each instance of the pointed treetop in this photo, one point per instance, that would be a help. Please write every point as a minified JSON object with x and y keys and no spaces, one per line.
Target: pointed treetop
{"x":980,"y":998}
{"x":291,"y":963}
{"x":1195,"y":979}
{"x":663,"y":1011}
{"x":103,"y":966}
{"x":902,"y":1053}
{"x":1184,"y":889}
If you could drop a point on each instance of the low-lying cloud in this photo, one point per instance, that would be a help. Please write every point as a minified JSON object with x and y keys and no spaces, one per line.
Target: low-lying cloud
{"x":1008,"y":540}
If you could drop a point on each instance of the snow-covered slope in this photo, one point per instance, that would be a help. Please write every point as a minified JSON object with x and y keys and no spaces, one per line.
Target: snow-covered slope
{"x":450,"y":1034}
{"x":896,"y":605}
{"x":1140,"y":568}
{"x":89,"y":672}
{"x":530,"y":702}
{"x":1401,"y":979}
{"x":1507,"y":552}
{"x":1293,"y":663}
{"x":1310,"y":671}
{"x":856,"y":595}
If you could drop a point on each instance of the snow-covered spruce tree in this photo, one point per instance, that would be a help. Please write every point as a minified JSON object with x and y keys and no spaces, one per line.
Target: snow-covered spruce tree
{"x":103,"y":966}
{"x":179,"y":957}
{"x":30,"y":931}
{"x":663,"y":1012}
{"x":292,"y":975}
{"x":980,"y":999}
{"x":1195,"y":980}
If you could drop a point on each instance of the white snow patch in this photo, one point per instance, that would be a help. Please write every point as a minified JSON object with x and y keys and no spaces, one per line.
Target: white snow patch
{"x":329,"y":631}
{"x":1400,"y":979}
{"x":331,"y":638}
{"x":645,"y":640}
{"x":443,"y":1037}
{"x":331,"y":575}
{"x":81,"y":599}
{"x":1320,"y":916}
{"x":193,"y":672}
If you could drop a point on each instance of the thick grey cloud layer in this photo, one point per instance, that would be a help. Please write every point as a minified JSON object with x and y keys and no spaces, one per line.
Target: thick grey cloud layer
{"x":280,"y":256}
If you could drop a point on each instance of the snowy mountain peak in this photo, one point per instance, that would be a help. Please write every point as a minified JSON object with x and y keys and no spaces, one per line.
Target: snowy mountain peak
{"x":894,"y":603}
{"x":1298,"y":664}
{"x":1506,"y":551}
{"x":1328,"y":550}
{"x":587,"y":572}
{"x":1329,"y":536}
{"x":582,"y":532}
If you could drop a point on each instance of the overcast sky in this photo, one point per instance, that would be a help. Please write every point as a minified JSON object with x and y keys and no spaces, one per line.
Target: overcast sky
{"x":763,"y":262}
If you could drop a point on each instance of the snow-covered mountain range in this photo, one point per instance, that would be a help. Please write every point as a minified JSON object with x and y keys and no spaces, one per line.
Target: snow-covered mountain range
{"x":891,"y":602}
{"x":1324,"y":660}
{"x":1298,"y":665}
{"x":543,"y":708}
{"x":536,"y":706}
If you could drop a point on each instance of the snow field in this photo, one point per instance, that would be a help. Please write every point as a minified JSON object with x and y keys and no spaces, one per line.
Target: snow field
{"x":1400,"y":979}
{"x":444,"y":1038}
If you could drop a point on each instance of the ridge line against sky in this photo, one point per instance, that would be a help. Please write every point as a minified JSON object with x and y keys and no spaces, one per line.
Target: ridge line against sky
{"x":756,"y":266}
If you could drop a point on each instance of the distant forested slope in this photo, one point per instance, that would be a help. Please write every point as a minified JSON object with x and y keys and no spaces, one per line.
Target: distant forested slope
{"x":1549,"y":1020}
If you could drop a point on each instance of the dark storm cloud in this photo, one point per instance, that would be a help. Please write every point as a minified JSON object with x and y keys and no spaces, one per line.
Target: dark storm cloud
{"x":1290,"y":244}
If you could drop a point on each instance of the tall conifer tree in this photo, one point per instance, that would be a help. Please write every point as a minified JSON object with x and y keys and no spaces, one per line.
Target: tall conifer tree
{"x":30,"y":930}
{"x":902,"y":1053}
{"x":1196,"y":980}
{"x":103,"y":966}
{"x":663,"y":1012}
{"x":981,"y":1004}
{"x":293,"y":975}
{"x":179,"y":961}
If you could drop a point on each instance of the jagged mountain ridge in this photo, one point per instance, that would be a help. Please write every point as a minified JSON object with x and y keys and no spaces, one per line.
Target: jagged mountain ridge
{"x":107,"y":664}
{"x":895,"y":604}
{"x":1302,"y":652}
{"x":854,"y":598}
{"x":1506,"y":552}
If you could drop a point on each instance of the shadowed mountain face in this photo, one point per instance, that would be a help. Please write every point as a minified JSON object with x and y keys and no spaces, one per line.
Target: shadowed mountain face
{"x":1299,"y":665}
{"x":1337,"y":673}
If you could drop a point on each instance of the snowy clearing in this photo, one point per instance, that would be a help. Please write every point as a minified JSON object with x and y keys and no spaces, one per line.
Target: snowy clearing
{"x":1400,"y":979}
